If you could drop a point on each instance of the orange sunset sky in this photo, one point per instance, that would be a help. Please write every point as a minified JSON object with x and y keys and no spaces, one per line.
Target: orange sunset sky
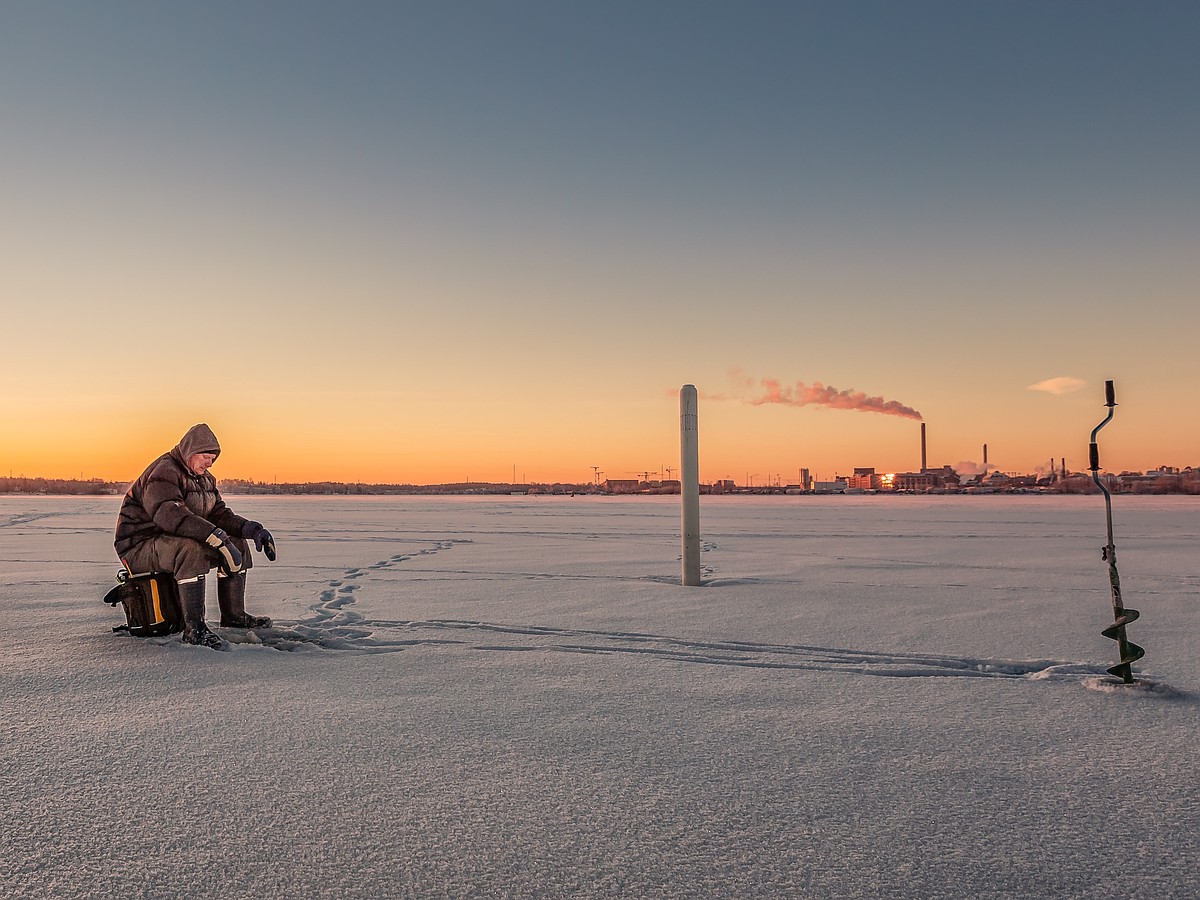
{"x":434,"y":242}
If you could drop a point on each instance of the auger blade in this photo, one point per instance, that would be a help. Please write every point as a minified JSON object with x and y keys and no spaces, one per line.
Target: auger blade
{"x":1113,"y":630}
{"x":1122,"y":671}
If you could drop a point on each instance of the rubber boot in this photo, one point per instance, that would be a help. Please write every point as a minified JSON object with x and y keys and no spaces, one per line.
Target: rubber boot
{"x":195,"y":631}
{"x":231,"y":594}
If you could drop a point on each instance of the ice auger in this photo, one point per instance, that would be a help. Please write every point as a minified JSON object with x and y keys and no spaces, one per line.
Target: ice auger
{"x":1128,"y":651}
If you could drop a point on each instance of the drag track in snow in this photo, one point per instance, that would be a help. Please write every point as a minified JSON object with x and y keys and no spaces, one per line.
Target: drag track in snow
{"x":381,"y":636}
{"x":335,"y":625}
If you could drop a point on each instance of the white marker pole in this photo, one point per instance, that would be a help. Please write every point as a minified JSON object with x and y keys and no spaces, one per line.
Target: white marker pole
{"x":689,"y":473}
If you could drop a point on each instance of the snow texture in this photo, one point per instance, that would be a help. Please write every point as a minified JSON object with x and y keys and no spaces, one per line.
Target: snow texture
{"x":514,"y":697}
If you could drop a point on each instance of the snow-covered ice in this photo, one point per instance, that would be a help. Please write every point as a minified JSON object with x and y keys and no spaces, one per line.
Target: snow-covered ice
{"x":514,"y":697}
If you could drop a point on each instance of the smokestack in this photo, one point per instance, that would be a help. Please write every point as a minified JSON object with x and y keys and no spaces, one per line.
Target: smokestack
{"x":924,"y":460}
{"x":985,"y":456}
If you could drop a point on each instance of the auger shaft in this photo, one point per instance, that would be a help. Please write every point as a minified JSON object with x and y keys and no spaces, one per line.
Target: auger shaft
{"x":1128,"y":651}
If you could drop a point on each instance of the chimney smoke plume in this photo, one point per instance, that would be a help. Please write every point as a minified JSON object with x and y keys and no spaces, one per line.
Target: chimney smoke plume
{"x":818,"y":394}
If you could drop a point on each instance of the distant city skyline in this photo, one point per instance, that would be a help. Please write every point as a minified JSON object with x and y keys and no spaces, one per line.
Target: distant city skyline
{"x":431,"y":240}
{"x":665,"y":474}
{"x":561,"y":471}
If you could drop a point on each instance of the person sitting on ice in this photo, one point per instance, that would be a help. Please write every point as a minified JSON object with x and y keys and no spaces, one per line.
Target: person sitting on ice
{"x":174,"y":520}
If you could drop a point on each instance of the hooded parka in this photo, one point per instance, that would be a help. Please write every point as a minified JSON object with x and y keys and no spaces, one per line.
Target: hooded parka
{"x":170,"y":499}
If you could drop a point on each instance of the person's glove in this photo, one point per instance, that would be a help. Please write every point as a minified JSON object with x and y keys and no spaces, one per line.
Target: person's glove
{"x":232,"y":557}
{"x":263,"y":542}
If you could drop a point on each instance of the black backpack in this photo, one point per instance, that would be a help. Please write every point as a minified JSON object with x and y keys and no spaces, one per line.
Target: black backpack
{"x":151,"y":603}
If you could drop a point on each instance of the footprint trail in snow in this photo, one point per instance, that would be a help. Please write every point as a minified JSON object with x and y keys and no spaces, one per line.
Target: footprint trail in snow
{"x":333,"y":624}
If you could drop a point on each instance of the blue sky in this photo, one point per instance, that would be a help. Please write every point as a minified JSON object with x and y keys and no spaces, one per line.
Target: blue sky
{"x":393,"y":207}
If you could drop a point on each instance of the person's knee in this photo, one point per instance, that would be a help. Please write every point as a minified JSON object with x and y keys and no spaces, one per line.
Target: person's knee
{"x":191,"y":560}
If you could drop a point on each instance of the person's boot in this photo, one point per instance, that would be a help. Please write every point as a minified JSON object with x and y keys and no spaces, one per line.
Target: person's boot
{"x":231,"y":594}
{"x":195,"y":631}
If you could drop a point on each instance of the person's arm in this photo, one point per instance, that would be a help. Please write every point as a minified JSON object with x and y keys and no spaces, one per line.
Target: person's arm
{"x":245,"y":528}
{"x":224,"y":517}
{"x":162,"y":498}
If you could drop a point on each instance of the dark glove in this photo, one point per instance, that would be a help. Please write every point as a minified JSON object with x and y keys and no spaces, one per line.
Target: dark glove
{"x":230,"y":554}
{"x":263,"y":542}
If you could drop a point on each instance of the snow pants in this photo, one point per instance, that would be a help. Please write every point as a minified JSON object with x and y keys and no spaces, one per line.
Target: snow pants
{"x":184,"y":557}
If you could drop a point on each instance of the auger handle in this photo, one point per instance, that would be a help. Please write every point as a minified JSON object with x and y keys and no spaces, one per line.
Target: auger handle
{"x":1109,"y":397}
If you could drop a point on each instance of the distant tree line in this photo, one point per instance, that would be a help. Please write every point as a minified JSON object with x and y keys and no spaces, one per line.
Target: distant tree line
{"x":59,"y":486}
{"x":242,"y":486}
{"x":98,"y":486}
